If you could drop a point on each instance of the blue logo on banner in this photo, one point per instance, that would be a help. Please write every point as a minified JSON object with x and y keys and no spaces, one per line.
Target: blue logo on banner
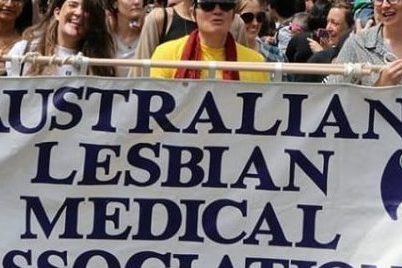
{"x":391,"y":185}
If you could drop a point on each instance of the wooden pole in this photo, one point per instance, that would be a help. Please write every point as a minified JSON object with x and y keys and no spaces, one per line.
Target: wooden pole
{"x":294,"y":68}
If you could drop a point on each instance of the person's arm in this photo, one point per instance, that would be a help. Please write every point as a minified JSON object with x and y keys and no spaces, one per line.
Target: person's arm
{"x":17,"y":50}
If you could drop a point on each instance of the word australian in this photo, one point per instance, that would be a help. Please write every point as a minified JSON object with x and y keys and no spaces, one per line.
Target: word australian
{"x":152,"y":108}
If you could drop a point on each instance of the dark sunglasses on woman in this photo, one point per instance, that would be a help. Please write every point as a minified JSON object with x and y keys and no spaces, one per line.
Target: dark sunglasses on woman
{"x":209,"y":6}
{"x":249,"y":17}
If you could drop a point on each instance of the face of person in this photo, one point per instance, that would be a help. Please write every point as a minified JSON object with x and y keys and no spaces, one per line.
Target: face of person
{"x":253,"y":26}
{"x":216,"y":21}
{"x":389,"y":12}
{"x":73,"y":23}
{"x":309,"y":5}
{"x":336,"y":24}
{"x":130,"y":9}
{"x":10,"y":10}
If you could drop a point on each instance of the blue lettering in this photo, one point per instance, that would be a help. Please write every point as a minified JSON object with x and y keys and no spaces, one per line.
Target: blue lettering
{"x":63,"y":105}
{"x":43,"y":170}
{"x":210,"y":220}
{"x":341,"y":121}
{"x":257,"y":159}
{"x":83,"y":260}
{"x":106,"y":106}
{"x":248,"y":117}
{"x":208,"y":104}
{"x":278,"y":236}
{"x":144,"y":112}
{"x":309,"y":222}
{"x":295,"y":115}
{"x":319,"y":178}
{"x":70,"y":206}
{"x":175,"y":166}
{"x":9,"y":259}
{"x":146,"y":213}
{"x":136,"y":160}
{"x":16,"y":97}
{"x":378,"y":106}
{"x":91,"y":164}
{"x":43,"y":260}
{"x":101,"y":217}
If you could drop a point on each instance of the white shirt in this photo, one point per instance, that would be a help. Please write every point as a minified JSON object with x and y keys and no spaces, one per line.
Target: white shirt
{"x":64,"y":70}
{"x":124,"y":51}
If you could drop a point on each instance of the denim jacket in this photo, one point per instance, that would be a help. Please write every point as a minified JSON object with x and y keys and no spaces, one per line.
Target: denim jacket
{"x":365,"y":47}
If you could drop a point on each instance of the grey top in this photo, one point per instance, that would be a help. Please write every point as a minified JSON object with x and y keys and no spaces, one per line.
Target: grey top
{"x":365,"y":47}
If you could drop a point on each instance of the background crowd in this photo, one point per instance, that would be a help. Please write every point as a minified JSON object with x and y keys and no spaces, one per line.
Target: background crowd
{"x":302,"y":31}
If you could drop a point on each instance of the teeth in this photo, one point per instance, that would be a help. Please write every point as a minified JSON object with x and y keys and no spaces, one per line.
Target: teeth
{"x":388,"y":14}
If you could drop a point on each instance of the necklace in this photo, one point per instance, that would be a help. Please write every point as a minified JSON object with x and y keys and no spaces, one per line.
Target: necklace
{"x":126,"y":44}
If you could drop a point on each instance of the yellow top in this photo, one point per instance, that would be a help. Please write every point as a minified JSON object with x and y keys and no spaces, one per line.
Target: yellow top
{"x":173,"y":50}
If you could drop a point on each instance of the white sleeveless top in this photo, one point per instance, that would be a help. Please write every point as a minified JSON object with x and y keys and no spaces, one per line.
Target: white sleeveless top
{"x":64,"y":70}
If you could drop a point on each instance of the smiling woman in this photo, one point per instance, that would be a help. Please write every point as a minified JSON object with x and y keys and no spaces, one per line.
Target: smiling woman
{"x":68,"y":27}
{"x":253,"y":15}
{"x":381,"y":44}
{"x":15,"y":16}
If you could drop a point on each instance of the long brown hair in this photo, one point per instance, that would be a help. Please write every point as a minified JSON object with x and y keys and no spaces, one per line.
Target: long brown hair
{"x":97,"y":42}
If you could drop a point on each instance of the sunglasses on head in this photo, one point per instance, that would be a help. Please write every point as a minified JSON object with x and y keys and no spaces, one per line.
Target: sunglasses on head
{"x":248,"y":17}
{"x":209,"y":6}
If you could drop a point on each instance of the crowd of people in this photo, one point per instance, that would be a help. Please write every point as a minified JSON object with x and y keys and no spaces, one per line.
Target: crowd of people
{"x":302,"y":31}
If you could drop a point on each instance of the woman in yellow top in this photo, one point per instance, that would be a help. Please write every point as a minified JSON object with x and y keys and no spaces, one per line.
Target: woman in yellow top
{"x":211,"y":42}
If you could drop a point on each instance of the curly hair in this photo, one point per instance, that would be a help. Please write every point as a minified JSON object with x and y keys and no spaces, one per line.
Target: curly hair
{"x":97,"y":42}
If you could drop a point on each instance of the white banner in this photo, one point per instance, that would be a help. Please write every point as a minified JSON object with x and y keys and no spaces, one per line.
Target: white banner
{"x":145,"y":173}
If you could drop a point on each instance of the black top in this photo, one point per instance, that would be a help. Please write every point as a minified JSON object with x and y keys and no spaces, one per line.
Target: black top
{"x":324,"y":56}
{"x":179,"y":27}
{"x":298,"y":49}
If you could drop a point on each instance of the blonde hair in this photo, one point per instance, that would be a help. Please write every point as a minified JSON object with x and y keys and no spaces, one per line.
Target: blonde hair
{"x":241,"y":5}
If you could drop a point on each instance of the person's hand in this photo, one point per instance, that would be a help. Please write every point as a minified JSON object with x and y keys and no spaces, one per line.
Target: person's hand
{"x":391,"y":74}
{"x":314,"y":45}
{"x":269,"y":39}
{"x":359,"y":27}
{"x":326,"y":43}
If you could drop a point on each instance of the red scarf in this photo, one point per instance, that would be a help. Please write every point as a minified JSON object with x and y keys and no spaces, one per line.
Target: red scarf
{"x":192,"y":51}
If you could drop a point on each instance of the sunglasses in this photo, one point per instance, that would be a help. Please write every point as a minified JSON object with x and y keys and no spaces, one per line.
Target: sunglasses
{"x":380,"y":2}
{"x":248,"y":17}
{"x":209,"y":6}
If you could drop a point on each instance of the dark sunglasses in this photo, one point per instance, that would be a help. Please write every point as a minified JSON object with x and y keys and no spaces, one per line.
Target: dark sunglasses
{"x":248,"y":17}
{"x":209,"y":6}
{"x":391,"y":2}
